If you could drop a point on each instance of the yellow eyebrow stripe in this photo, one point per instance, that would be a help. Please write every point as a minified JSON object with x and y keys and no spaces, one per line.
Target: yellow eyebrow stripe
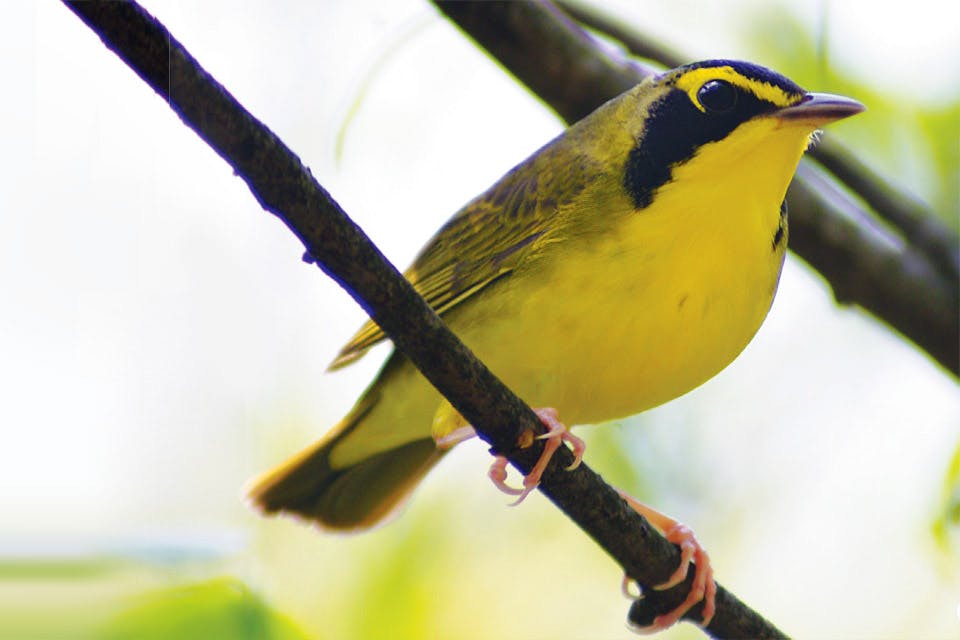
{"x":691,"y":81}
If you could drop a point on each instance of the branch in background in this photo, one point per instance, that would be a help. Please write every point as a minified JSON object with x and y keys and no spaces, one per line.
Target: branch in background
{"x":556,"y":72}
{"x":283,"y":186}
{"x":642,"y":46}
{"x":854,"y":262}
{"x":919,"y":224}
{"x":908,"y":282}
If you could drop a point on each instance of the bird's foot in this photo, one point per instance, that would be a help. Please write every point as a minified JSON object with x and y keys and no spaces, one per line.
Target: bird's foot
{"x":703,"y":588}
{"x":556,"y":434}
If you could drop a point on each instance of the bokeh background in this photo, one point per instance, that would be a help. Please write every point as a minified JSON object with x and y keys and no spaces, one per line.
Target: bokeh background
{"x":161,"y":343}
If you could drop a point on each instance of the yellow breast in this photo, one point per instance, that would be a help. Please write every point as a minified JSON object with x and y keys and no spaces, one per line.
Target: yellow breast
{"x":610,"y":326}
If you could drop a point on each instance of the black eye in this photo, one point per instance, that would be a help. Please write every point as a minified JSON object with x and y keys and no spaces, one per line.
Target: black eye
{"x":717,"y":96}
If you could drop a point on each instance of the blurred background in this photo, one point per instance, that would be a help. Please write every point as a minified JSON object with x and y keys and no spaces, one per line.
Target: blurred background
{"x":162,"y":343}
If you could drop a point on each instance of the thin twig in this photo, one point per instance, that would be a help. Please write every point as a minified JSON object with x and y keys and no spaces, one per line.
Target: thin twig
{"x":283,"y":186}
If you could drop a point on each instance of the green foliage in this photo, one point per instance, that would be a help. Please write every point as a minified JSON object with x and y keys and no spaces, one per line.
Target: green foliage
{"x":947,"y":524}
{"x":218,"y":609}
{"x":940,"y":128}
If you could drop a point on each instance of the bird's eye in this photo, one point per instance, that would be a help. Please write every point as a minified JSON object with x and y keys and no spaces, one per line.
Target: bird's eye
{"x":717,"y":96}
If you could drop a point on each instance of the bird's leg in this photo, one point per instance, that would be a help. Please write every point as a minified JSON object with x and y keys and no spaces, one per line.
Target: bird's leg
{"x":556,"y":433}
{"x":455,"y":437}
{"x":703,"y":587}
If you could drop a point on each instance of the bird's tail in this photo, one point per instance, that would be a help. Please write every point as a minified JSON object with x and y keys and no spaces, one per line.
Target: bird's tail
{"x":357,"y":496}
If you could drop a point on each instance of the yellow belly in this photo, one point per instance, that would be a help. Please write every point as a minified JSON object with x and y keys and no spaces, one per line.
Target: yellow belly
{"x":605,"y":330}
{"x":632,"y":323}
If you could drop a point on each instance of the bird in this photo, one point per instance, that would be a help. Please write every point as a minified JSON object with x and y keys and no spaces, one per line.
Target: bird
{"x":621,"y":265}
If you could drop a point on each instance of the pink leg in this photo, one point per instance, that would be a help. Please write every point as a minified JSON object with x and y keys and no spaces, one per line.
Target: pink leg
{"x":455,"y":437}
{"x":556,"y":433}
{"x":703,"y":587}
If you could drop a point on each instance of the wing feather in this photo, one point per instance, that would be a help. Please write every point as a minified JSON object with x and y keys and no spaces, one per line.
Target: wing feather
{"x":486,"y":240}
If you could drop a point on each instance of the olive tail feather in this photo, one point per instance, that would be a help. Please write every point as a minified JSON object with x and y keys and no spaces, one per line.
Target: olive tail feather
{"x":351,"y":498}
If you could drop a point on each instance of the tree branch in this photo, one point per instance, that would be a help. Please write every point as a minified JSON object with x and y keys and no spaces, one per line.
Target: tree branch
{"x":283,"y":186}
{"x":917,"y":292}
{"x":864,"y":267}
{"x":919,"y":224}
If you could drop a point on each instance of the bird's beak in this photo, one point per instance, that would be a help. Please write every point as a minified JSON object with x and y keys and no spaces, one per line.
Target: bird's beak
{"x":818,"y":109}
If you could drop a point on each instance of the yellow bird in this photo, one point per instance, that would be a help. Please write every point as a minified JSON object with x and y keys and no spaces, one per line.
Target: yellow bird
{"x":623,"y":264}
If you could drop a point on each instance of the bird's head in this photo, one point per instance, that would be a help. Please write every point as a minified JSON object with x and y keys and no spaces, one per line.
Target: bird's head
{"x":723,"y":119}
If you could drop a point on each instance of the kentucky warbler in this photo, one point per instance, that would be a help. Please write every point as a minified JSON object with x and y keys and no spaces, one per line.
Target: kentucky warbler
{"x":620,"y":266}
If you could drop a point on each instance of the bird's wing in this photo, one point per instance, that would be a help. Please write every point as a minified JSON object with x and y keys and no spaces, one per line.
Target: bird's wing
{"x":484,"y":242}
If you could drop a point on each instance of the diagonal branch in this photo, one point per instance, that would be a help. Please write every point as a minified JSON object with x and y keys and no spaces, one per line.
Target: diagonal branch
{"x":283,"y":186}
{"x":909,"y":282}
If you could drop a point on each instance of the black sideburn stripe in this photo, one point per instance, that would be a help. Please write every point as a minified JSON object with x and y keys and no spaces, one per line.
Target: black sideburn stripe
{"x":674,"y":130}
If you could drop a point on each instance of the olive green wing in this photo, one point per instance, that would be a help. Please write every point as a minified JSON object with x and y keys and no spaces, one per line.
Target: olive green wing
{"x":484,"y":242}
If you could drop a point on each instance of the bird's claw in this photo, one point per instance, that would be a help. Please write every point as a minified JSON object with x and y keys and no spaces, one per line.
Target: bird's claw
{"x":556,"y":434}
{"x":703,"y":588}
